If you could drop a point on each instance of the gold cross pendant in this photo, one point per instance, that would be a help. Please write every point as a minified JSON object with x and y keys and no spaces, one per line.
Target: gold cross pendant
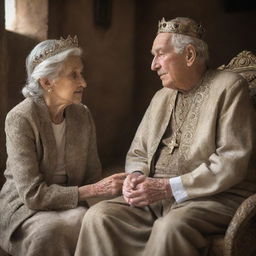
{"x":173,"y":144}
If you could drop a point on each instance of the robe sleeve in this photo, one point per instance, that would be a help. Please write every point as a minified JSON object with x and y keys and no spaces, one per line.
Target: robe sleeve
{"x":24,"y":167}
{"x":178,"y":191}
{"x":137,"y":156}
{"x":234,"y":139}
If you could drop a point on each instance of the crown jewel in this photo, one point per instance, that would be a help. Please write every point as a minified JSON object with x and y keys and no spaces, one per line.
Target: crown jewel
{"x":58,"y":47}
{"x":190,"y":28}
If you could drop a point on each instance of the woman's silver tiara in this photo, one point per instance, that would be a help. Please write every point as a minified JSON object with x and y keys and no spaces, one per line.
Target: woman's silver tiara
{"x":58,"y":47}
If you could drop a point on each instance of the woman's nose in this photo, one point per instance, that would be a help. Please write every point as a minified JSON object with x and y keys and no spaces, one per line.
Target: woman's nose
{"x":83,"y":82}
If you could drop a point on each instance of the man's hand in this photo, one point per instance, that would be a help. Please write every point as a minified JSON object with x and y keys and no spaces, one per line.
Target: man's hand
{"x":130,"y":184}
{"x":140,"y":191}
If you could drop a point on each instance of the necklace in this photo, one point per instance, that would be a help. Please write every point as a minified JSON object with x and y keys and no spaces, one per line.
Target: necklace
{"x":186,"y":103}
{"x":173,"y":144}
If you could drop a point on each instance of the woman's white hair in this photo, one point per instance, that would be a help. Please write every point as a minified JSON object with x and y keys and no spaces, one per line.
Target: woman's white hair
{"x":49,"y":68}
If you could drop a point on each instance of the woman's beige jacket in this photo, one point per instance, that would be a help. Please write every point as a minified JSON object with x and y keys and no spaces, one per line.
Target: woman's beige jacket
{"x":31,"y":162}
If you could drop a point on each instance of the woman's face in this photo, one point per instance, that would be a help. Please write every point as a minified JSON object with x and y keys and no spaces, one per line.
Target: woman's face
{"x":68,"y":87}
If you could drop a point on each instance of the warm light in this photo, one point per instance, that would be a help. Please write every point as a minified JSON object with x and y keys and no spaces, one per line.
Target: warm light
{"x":27,"y":17}
{"x":10,"y":14}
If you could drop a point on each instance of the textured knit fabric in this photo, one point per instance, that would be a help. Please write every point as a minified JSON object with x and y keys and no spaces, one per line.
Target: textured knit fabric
{"x":32,"y":159}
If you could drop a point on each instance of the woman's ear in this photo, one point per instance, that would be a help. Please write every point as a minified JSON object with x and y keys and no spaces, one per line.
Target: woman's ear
{"x":190,"y":55}
{"x":45,"y":83}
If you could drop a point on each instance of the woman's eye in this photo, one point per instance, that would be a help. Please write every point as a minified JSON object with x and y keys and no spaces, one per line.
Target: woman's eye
{"x":74,"y":75}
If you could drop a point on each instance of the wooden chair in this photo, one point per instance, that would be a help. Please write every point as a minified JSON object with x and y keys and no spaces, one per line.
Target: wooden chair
{"x":240,"y":237}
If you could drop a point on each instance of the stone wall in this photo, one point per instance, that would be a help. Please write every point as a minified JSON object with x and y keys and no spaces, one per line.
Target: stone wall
{"x":109,"y":68}
{"x":117,"y":59}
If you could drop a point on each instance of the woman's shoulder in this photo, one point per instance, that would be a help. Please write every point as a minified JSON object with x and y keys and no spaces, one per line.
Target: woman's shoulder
{"x":79,"y":113}
{"x":23,"y":108}
{"x":79,"y":109}
{"x":21,"y":117}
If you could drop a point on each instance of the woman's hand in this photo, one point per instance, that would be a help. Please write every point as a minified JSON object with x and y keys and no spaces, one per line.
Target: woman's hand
{"x":109,"y":186}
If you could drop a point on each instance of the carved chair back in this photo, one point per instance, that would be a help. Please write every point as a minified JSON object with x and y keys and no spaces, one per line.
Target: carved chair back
{"x":241,"y":233}
{"x":244,"y":64}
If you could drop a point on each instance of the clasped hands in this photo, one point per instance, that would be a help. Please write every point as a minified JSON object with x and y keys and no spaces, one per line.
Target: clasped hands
{"x":139,"y":190}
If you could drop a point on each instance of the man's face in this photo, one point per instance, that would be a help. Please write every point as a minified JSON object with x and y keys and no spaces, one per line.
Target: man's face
{"x":170,"y":66}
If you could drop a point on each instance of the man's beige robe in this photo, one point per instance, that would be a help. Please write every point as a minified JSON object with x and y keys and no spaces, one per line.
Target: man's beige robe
{"x":216,"y":151}
{"x":216,"y":163}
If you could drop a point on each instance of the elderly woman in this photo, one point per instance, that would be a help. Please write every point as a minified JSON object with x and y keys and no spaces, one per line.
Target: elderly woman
{"x":52,"y":166}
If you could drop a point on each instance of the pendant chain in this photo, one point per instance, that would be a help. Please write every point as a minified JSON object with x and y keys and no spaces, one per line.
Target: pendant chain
{"x":174,"y":143}
{"x":182,"y":118}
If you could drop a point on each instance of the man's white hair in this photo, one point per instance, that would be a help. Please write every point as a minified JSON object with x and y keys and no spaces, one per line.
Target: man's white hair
{"x":179,"y":42}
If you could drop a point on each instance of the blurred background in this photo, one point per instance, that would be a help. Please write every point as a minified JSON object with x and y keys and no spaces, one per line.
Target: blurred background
{"x":116,"y":36}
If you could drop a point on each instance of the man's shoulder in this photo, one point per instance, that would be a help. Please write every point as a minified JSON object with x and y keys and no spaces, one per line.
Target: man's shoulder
{"x":163,"y":93}
{"x":226,"y":79}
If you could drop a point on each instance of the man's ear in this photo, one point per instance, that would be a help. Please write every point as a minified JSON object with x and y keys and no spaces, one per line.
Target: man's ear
{"x":190,"y":55}
{"x":45,"y":83}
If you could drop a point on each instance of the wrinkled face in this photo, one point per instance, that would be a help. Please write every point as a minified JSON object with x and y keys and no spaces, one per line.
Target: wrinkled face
{"x":68,"y":87}
{"x":170,"y":66}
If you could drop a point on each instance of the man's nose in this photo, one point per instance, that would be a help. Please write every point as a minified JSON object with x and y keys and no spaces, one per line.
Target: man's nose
{"x":154,"y":65}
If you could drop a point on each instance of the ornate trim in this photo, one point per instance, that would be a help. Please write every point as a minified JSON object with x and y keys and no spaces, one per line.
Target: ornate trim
{"x":199,"y":96}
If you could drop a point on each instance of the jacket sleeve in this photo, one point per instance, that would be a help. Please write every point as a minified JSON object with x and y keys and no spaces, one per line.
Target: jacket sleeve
{"x":234,"y":139}
{"x":93,"y":170}
{"x":23,"y":164}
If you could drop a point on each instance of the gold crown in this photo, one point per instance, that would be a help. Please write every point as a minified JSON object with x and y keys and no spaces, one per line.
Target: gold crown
{"x":58,"y":47}
{"x":175,"y":26}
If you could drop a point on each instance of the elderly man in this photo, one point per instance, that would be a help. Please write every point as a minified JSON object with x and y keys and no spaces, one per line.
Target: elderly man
{"x":190,"y":162}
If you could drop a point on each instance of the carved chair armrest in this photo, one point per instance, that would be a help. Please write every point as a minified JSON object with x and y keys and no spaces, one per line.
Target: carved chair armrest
{"x":240,"y":228}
